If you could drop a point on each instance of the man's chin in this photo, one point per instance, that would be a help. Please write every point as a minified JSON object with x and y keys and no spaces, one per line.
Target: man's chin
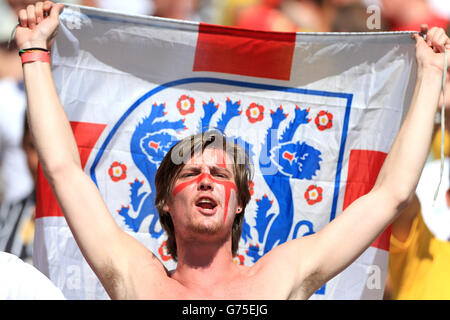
{"x":205,"y":229}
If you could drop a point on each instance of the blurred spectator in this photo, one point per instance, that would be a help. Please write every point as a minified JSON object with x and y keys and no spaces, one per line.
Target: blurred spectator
{"x":441,"y":8}
{"x":419,"y":255}
{"x":15,"y":180}
{"x":330,"y":10}
{"x":144,"y":7}
{"x":353,"y":18}
{"x":265,"y":16}
{"x":409,"y":15}
{"x":15,"y":177}
{"x":16,"y":5}
{"x":7,"y":21}
{"x":17,"y":217}
{"x":8,"y":14}
{"x":176,"y":9}
{"x":435,"y":152}
{"x":194,"y":10}
{"x":230,"y":10}
{"x":306,"y":15}
{"x":22,"y":281}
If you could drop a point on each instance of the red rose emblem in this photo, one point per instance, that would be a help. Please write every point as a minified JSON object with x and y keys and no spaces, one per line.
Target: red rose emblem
{"x":185,"y":105}
{"x":117,"y":171}
{"x":255,"y":113}
{"x":324,"y":120}
{"x":313,"y":194}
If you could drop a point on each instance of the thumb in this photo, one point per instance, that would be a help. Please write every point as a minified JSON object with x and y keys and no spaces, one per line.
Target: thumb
{"x":419,"y":38}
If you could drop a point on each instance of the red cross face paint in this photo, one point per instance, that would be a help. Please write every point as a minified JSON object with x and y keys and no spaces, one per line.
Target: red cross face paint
{"x":209,"y":172}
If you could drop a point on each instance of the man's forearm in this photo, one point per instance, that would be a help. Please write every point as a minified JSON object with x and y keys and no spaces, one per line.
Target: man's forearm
{"x":401,"y":170}
{"x":51,"y":130}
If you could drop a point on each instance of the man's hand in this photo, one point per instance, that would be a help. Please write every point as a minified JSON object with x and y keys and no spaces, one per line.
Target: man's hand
{"x":38,"y":25}
{"x":430,"y":51}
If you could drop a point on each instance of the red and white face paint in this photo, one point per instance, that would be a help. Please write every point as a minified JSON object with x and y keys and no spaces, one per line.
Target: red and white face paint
{"x":206,"y":183}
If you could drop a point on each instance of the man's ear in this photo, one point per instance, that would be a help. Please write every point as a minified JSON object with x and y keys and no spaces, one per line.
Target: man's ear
{"x":166,"y":206}
{"x":238,"y":210}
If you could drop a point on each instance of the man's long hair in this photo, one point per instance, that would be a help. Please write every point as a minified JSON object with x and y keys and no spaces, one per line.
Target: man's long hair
{"x":174,"y":162}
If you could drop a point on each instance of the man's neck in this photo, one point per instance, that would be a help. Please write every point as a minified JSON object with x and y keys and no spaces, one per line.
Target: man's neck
{"x":203,"y":266}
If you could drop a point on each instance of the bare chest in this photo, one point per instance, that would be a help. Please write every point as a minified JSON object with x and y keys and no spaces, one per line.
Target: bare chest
{"x":241,"y":288}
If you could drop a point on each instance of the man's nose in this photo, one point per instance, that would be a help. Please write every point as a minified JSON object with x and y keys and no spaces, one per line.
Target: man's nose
{"x":205,"y":183}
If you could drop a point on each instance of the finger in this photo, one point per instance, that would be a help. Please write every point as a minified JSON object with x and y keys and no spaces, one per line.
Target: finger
{"x":23,"y":18}
{"x":39,"y":12}
{"x":31,"y":16}
{"x":56,"y":10}
{"x":446,"y":40}
{"x":435,"y":33}
{"x":433,"y":41}
{"x":46,"y":7}
{"x":441,"y":41}
{"x":421,"y":44}
{"x":419,"y":39}
{"x":431,"y":34}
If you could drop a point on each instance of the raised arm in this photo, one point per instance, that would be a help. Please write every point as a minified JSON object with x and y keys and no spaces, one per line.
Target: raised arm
{"x":337,"y":245}
{"x":104,"y":245}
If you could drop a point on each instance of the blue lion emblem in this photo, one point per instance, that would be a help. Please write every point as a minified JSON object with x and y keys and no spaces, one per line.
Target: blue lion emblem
{"x":282,"y":159}
{"x":149,"y":144}
{"x":296,"y":160}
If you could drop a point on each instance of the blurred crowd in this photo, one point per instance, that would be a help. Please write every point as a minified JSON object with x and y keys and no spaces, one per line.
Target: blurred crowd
{"x":18,"y":161}
{"x":273,"y":15}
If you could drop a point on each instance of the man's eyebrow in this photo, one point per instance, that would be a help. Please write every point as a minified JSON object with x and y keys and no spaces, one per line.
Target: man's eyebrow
{"x":220,"y":169}
{"x":190,"y":168}
{"x":214,"y":168}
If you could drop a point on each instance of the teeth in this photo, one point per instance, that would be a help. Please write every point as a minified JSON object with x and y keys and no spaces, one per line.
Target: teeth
{"x":206,"y":201}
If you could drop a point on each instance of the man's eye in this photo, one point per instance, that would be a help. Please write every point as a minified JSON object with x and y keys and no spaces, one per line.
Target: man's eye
{"x":221,"y":175}
{"x":188,"y":174}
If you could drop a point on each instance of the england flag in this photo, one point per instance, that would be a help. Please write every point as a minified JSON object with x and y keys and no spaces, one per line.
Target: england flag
{"x":317,"y":113}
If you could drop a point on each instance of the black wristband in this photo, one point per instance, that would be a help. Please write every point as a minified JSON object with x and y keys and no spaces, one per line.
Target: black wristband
{"x":32,"y":49}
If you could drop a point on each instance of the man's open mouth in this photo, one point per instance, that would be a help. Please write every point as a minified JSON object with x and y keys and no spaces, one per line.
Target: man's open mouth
{"x":206,"y":203}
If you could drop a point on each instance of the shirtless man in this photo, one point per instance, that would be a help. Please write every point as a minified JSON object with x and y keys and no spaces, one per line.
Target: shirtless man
{"x":205,"y":270}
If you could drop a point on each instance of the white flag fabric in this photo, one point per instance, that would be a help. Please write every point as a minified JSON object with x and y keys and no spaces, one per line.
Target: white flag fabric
{"x":316,"y":112}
